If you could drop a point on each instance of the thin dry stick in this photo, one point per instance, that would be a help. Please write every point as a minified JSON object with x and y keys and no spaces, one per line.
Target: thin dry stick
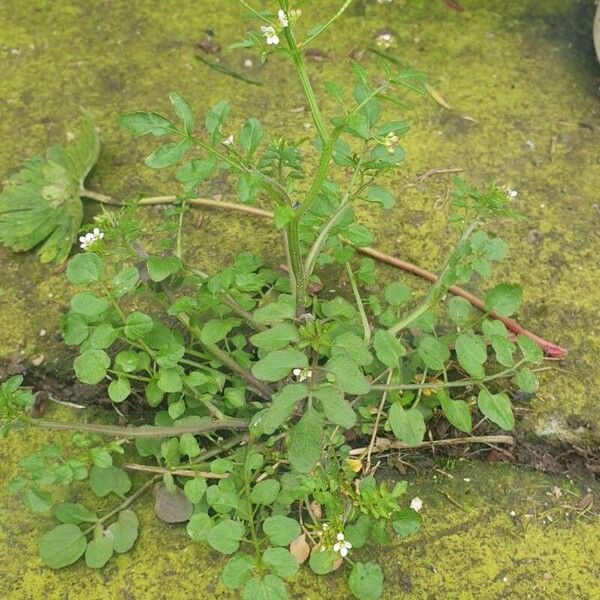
{"x":176,"y":472}
{"x":483,"y":439}
{"x":550,"y":349}
{"x":377,"y":419}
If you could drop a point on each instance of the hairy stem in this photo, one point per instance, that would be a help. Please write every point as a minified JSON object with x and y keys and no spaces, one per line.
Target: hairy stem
{"x":143,"y":432}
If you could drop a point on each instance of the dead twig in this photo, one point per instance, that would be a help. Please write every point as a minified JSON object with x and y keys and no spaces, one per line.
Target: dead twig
{"x":384,"y":444}
{"x":176,"y":472}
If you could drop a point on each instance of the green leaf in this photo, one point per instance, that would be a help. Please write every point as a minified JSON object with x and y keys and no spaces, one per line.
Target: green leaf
{"x":168,"y":154}
{"x":225,"y":536}
{"x":99,"y":550}
{"x":281,"y":530}
{"x":73,"y":514}
{"x":109,"y":480}
{"x":62,"y":546}
{"x":143,"y":123}
{"x":88,"y":305}
{"x":433,"y":353}
{"x":282,"y":406}
{"x":471,"y":353}
{"x":349,"y":345}
{"x":160,"y":268}
{"x":192,"y":173}
{"x":119,"y":389}
{"x":270,"y":587}
{"x":358,"y":533}
{"x":237,"y":571}
{"x":459,"y":310}
{"x":457,"y":412}
{"x":250,"y":136}
{"x":366,"y":581}
{"x":103,"y":336}
{"x":497,"y":408}
{"x":277,"y":337}
{"x":199,"y":526}
{"x":137,"y":325}
{"x":337,"y":408}
{"x":321,"y":561}
{"x":348,"y":376}
{"x":504,"y":350}
{"x":125,"y":281}
{"x":183,"y":110}
{"x":215,"y":330}
{"x":84,"y":268}
{"x":265,"y":492}
{"x":90,"y":367}
{"x":381,"y":196}
{"x":531,"y":351}
{"x":216,"y":117}
{"x":387,"y":348}
{"x":280,"y":560}
{"x":278,"y":364}
{"x":527,"y":381}
{"x":194,"y":489}
{"x":124,"y":531}
{"x":406,"y":521}
{"x":397,"y":294}
{"x":504,"y":299}
{"x":37,"y":501}
{"x":275,"y":312}
{"x":41,"y":204}
{"x":74,"y":328}
{"x":188,"y":445}
{"x":305,"y":441}
{"x":169,"y":381}
{"x":407,"y":425}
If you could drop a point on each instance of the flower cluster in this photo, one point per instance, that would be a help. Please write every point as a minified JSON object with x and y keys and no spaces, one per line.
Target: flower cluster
{"x":270,"y":33}
{"x":89,"y":238}
{"x":390,"y":141}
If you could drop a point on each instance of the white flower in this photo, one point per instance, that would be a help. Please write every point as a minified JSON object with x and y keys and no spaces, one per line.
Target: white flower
{"x":270,"y":34}
{"x":390,"y":141}
{"x":416,"y":504}
{"x":228,"y":141}
{"x":302,"y":374}
{"x":342,"y":546}
{"x":89,"y":238}
{"x":385,"y":1}
{"x":512,"y":194}
{"x":283,"y":20}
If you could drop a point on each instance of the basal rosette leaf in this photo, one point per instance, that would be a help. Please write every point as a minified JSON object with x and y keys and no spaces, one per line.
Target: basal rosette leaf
{"x":41,"y":205}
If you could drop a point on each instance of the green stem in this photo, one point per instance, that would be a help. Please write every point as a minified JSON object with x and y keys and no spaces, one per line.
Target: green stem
{"x":305,"y":82}
{"x":359,"y":304}
{"x":449,"y":384}
{"x":315,"y":250}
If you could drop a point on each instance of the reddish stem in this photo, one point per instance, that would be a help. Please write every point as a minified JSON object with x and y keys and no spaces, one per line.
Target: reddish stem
{"x":550,"y":349}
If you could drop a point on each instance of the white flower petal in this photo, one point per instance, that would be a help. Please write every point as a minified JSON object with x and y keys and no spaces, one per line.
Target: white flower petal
{"x":337,"y":547}
{"x":340,"y":537}
{"x":282,"y":18}
{"x":344,"y":551}
{"x":348,"y":545}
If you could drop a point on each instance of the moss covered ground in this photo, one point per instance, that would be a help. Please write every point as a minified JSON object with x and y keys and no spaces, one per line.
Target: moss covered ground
{"x":522,"y":81}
